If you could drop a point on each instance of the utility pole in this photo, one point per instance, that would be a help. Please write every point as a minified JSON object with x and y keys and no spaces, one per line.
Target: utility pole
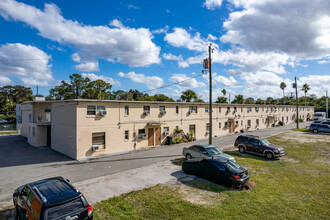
{"x":296,"y":86}
{"x":229,"y":99}
{"x":326,"y":104}
{"x":37,"y":91}
{"x":210,"y":96}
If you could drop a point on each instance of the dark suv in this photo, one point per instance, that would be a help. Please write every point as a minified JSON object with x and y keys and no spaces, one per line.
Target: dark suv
{"x":256,"y":145}
{"x":53,"y":198}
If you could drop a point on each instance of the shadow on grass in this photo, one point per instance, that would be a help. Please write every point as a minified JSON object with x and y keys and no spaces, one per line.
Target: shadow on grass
{"x":248,"y":155}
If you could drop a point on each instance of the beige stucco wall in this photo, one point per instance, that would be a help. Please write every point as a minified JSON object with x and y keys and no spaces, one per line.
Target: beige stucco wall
{"x":63,"y":128}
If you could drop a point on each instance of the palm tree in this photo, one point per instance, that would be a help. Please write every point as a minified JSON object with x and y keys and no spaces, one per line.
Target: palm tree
{"x":283,"y":86}
{"x":188,"y":95}
{"x":239,"y":99}
{"x":224,"y":92}
{"x":305,"y":89}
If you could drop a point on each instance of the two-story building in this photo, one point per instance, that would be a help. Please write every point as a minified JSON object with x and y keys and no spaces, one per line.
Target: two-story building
{"x":90,"y":128}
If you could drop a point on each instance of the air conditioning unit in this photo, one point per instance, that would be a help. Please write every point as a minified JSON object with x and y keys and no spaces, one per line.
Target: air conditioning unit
{"x":163,"y":112}
{"x":95,"y":147}
{"x":103,"y":112}
{"x":143,"y":135}
{"x":146,"y":112}
{"x":166,"y":133}
{"x":191,"y":111}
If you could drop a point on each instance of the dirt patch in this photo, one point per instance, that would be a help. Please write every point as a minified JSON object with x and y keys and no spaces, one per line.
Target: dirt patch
{"x":303,"y":137}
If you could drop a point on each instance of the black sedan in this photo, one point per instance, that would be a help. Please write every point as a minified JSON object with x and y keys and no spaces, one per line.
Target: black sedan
{"x":218,"y":170}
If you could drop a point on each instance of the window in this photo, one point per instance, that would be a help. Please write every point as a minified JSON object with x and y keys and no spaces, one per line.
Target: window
{"x":146,"y":108}
{"x":257,"y":121}
{"x":162,"y":108}
{"x":249,"y":109}
{"x":142,"y":131}
{"x":98,"y":138}
{"x":92,"y":109}
{"x":241,"y":109}
{"x":166,"y":130}
{"x":249,"y":123}
{"x":236,"y":123}
{"x":177,"y":109}
{"x":219,"y":124}
{"x":126,"y":110}
{"x":27,"y":196}
{"x":126,"y":135}
{"x":257,"y":109}
{"x":192,"y":128}
{"x":287,"y":118}
{"x":207,"y":126}
{"x":206,"y":109}
{"x":219,"y":109}
{"x":29,"y":129}
{"x":30,"y":117}
{"x":226,"y":124}
{"x":262,"y":120}
{"x":33,"y":131}
{"x":242,"y":123}
{"x":48,"y":109}
{"x":193,"y":109}
{"x":228,"y":109}
{"x":235,"y":109}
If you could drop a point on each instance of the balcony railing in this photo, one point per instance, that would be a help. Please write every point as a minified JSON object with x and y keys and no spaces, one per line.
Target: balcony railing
{"x":42,"y":119}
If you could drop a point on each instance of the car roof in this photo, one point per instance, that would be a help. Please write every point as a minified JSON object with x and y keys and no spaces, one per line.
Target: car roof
{"x":214,"y":159}
{"x":250,"y":136}
{"x":203,"y":146}
{"x":54,"y":191}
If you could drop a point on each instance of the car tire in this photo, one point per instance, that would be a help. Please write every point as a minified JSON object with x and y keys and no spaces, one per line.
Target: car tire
{"x":315,"y":131}
{"x":241,"y":149}
{"x":188,"y":156}
{"x":269,"y":155}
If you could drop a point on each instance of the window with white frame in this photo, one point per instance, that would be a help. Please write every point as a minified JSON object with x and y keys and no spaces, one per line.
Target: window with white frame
{"x":249,"y":109}
{"x":249,"y":123}
{"x":219,"y":109}
{"x":219,"y":124}
{"x":236,"y":123}
{"x":98,"y":139}
{"x":257,"y":122}
{"x":226,"y":124}
{"x":166,"y":130}
{"x":207,"y":127}
{"x":177,"y":109}
{"x":126,"y":110}
{"x":242,"y":123}
{"x":193,"y":109}
{"x":206,"y":109}
{"x":161,"y":108}
{"x":126,"y":135}
{"x":257,"y":109}
{"x":141,"y":131}
{"x":93,"y":109}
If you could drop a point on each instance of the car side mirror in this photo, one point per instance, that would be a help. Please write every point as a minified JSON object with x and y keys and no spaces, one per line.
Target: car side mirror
{"x":16,"y":194}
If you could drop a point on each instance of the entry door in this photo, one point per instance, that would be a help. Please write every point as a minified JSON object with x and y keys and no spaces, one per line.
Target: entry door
{"x":150,"y":136}
{"x":158,"y":134}
{"x":232,"y":126}
{"x":49,"y":135}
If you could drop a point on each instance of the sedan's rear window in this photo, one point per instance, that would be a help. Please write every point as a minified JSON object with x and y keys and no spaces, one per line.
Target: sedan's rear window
{"x":231,"y":165}
{"x":213,"y":151}
{"x":67,"y":209}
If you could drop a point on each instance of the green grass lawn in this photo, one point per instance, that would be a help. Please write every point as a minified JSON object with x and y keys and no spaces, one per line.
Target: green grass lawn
{"x":300,"y":129}
{"x":8,"y":129}
{"x":294,"y":187}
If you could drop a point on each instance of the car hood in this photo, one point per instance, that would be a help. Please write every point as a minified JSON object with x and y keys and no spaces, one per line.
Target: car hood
{"x":225,"y":156}
{"x":274,"y":147}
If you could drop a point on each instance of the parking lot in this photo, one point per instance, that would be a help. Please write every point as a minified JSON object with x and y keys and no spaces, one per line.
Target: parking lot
{"x":21,"y":163}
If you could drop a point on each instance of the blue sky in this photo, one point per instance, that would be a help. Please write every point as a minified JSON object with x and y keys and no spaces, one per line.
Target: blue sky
{"x":148,"y":44}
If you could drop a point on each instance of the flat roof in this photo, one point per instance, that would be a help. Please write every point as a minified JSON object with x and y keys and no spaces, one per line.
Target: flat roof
{"x":160,"y":102}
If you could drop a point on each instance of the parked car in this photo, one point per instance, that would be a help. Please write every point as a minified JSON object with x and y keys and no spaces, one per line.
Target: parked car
{"x":316,"y":128}
{"x":204,"y":151}
{"x":53,"y":198}
{"x":254,"y":144}
{"x":3,"y":121}
{"x":326,"y":122}
{"x":218,"y":170}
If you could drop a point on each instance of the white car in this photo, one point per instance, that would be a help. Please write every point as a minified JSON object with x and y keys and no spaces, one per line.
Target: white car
{"x":3,"y":121}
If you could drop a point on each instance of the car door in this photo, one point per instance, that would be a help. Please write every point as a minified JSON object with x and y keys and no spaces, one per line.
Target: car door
{"x":194,"y":152}
{"x":257,"y":147}
{"x":217,"y":173}
{"x":202,"y":153}
{"x":248,"y":144}
{"x":22,"y":212}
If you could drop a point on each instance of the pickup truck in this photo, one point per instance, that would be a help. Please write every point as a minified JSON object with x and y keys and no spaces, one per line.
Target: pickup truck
{"x":205,"y":152}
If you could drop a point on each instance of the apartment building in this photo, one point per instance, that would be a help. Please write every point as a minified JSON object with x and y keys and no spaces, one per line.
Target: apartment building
{"x":90,"y":128}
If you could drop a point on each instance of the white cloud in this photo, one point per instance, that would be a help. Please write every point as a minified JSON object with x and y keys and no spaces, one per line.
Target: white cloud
{"x":90,"y":66}
{"x":116,"y":23}
{"x":181,"y":38}
{"x":107,"y":79}
{"x":299,"y":28}
{"x":230,"y":82}
{"x":169,"y":56}
{"x":152,"y":82}
{"x":318,"y":84}
{"x":212,"y":4}
{"x":125,"y":45}
{"x":4,"y":80}
{"x":161,"y":30}
{"x":189,"y":84}
{"x":27,"y":63}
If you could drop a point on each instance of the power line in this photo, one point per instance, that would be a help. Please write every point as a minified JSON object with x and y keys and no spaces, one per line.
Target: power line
{"x":172,"y":84}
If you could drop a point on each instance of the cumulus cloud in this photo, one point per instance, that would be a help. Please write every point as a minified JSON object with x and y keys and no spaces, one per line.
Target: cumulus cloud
{"x":169,"y":56}
{"x":318,"y":84}
{"x":151,"y":82}
{"x":299,"y":28}
{"x":212,"y":4}
{"x":125,"y":45}
{"x":107,"y":79}
{"x":189,"y":84}
{"x":25,"y":62}
{"x":230,"y":82}
{"x":4,"y":80}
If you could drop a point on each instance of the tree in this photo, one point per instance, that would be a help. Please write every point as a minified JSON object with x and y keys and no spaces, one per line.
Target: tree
{"x":224,"y":92}
{"x":249,"y":100}
{"x":188,"y":95}
{"x":260,"y":102}
{"x":305,"y":89}
{"x":78,"y":84}
{"x":221,"y":99}
{"x":283,"y":86}
{"x":97,"y":89}
{"x":269,"y":100}
{"x":239,"y":99}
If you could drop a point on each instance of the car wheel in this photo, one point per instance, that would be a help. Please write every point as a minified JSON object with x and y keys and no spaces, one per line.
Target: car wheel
{"x":188,"y":156}
{"x":269,"y":155}
{"x":315,"y":131}
{"x":241,"y":149}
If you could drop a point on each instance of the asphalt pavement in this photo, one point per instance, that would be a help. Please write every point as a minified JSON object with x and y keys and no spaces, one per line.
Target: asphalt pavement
{"x":21,"y":163}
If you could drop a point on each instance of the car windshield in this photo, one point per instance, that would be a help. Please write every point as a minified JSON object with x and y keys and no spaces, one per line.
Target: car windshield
{"x":265,"y":142}
{"x":213,"y":151}
{"x":231,"y":165}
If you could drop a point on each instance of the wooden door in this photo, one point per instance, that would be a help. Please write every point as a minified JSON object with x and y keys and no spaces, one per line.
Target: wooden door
{"x":150,"y":136}
{"x":158,"y":134}
{"x":230,"y":126}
